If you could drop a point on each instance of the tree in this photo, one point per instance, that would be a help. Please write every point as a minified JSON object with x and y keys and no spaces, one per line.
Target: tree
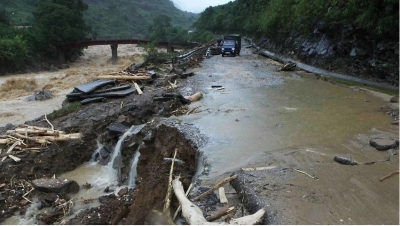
{"x":160,"y":28}
{"x":61,"y":21}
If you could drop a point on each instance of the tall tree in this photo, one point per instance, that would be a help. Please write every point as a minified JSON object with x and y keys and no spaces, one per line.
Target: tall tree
{"x":61,"y":21}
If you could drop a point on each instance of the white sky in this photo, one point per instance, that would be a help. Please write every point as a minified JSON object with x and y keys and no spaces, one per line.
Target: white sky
{"x":197,"y":6}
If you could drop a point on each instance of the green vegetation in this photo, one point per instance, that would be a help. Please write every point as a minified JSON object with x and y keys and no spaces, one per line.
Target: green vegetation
{"x":274,"y":18}
{"x":131,"y":18}
{"x":72,"y":107}
{"x":15,"y":44}
{"x":155,"y":57}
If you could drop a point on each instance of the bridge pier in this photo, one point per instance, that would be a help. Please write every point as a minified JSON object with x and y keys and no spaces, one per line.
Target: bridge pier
{"x":114,"y":53}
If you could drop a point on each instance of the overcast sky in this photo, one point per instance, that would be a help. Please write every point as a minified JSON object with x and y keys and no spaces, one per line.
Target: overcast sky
{"x":197,"y":6}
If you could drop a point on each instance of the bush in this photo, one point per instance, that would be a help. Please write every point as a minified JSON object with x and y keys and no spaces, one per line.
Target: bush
{"x":153,"y":56}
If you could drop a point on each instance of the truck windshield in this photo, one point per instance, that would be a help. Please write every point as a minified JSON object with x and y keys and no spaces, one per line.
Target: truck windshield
{"x":229,"y":42}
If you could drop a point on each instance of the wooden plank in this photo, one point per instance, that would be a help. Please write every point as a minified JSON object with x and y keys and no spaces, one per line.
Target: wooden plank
{"x":140,"y":92}
{"x":222,"y":196}
{"x":124,"y":77}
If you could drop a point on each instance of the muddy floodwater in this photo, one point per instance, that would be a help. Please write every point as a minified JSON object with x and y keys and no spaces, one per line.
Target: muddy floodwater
{"x":262,"y":117}
{"x":291,"y":119}
{"x":261,"y":111}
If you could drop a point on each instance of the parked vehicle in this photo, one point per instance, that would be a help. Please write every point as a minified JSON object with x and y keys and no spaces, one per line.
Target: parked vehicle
{"x":229,"y":47}
{"x":238,"y":39}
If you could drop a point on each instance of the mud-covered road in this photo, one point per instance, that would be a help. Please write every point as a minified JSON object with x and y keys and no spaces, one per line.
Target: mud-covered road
{"x":294,"y":121}
{"x":290,"y":122}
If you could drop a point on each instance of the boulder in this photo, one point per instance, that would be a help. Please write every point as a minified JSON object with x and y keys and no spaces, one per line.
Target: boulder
{"x":383,"y":144}
{"x":55,"y":185}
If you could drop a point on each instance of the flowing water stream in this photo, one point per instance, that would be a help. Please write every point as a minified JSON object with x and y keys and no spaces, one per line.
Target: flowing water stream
{"x":95,"y":175}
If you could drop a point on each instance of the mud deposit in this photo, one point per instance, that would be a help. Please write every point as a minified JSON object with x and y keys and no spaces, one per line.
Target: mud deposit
{"x":289,"y":122}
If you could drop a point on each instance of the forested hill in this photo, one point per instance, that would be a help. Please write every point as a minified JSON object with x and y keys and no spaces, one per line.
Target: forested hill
{"x":132,"y":17}
{"x":110,"y":17}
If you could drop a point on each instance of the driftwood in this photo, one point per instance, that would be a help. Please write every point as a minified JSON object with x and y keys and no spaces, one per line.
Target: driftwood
{"x":10,"y":149}
{"x":222,"y":196}
{"x":194,"y":215}
{"x":315,"y":178}
{"x":220,"y":213}
{"x":169,"y":190}
{"x":259,"y":168}
{"x":211,"y":190}
{"x":140,"y":92}
{"x":288,"y":66}
{"x":173,"y":85}
{"x":35,"y":131}
{"x":389,"y":175}
{"x":125,"y":77}
{"x":192,"y":110}
{"x":52,"y":127}
{"x":180,"y":207}
{"x":195,"y":97}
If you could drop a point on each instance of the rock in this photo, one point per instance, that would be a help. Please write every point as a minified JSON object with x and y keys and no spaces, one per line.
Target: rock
{"x":123,"y":192}
{"x":344,"y":161}
{"x":117,"y":128}
{"x":40,"y":95}
{"x":394,"y":99}
{"x":105,"y":152}
{"x":106,"y":198}
{"x":55,"y":185}
{"x":383,"y":144}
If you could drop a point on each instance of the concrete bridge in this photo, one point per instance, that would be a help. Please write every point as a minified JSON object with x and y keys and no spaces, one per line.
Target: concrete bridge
{"x":114,"y":42}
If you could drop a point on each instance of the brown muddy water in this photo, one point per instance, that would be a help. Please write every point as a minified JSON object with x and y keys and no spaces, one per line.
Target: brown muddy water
{"x":290,"y":119}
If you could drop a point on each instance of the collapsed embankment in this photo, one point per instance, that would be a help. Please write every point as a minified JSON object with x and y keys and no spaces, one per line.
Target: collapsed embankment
{"x":156,"y":142}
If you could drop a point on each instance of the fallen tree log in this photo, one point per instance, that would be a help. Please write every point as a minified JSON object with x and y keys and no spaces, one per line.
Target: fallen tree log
{"x":220,"y":213}
{"x":62,"y":137}
{"x":42,"y":128}
{"x":194,"y":215}
{"x":124,"y":77}
{"x":211,"y":190}
{"x":35,"y":131}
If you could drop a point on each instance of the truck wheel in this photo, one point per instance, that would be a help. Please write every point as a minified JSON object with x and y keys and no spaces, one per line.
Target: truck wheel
{"x":223,"y":55}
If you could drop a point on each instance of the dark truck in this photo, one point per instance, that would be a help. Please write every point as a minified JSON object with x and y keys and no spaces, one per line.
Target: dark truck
{"x":232,"y":44}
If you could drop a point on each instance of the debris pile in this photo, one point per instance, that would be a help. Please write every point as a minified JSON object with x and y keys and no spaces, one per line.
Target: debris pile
{"x":32,"y":139}
{"x":289,"y":66}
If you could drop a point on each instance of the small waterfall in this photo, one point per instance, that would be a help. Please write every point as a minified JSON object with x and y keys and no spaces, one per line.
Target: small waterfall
{"x":133,"y":171}
{"x":116,"y":155}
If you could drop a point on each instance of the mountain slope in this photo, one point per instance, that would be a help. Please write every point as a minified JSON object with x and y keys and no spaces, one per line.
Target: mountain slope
{"x":111,"y":17}
{"x":132,"y":17}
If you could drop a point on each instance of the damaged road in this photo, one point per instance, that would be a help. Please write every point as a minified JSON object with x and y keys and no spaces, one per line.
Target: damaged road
{"x":277,"y":131}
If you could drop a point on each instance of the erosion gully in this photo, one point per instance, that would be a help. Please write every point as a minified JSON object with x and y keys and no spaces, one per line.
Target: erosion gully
{"x":287,"y":119}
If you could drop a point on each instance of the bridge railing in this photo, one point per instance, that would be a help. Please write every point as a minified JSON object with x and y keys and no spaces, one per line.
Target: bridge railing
{"x":188,"y":58}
